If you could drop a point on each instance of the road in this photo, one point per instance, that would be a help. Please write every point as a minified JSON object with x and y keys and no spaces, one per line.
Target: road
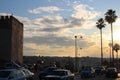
{"x":98,"y":77}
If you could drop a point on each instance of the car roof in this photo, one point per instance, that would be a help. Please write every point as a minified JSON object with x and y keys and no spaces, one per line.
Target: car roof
{"x":111,"y":68}
{"x":61,"y":70}
{"x":7,"y":69}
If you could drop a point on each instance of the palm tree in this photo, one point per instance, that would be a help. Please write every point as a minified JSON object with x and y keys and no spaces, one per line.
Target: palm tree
{"x":116,"y":47}
{"x":110,"y":17}
{"x":100,"y":24}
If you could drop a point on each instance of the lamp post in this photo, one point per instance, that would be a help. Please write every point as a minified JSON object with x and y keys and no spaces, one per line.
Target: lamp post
{"x":75,"y":53}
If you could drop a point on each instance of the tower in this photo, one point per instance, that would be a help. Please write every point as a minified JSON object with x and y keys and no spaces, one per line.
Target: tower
{"x":11,"y":40}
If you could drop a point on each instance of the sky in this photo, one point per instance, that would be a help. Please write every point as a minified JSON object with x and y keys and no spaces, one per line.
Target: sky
{"x":50,"y":26}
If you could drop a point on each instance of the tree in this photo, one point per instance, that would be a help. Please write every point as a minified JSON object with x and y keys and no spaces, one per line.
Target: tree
{"x":116,"y":47}
{"x":100,"y":24}
{"x":110,"y":17}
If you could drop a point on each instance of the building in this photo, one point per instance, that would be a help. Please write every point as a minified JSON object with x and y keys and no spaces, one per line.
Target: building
{"x":11,"y":40}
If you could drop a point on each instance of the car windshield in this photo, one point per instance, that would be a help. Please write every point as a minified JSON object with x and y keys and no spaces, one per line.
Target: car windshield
{"x":59,"y":73}
{"x":112,"y":70}
{"x":49,"y":69}
{"x":4,"y":74}
{"x":87,"y":69}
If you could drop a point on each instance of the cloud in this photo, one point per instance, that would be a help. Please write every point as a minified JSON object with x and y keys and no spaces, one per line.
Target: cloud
{"x":81,"y":17}
{"x":50,"y":21}
{"x":51,"y":29}
{"x":53,"y":25}
{"x":50,"y":40}
{"x":55,"y":45}
{"x":53,"y":40}
{"x":5,"y":14}
{"x":83,"y":11}
{"x":25,"y":20}
{"x":49,"y":9}
{"x":48,"y":25}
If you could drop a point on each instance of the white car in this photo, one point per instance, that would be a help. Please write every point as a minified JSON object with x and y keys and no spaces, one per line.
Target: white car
{"x":28,"y":74}
{"x":60,"y":74}
{"x":12,"y":74}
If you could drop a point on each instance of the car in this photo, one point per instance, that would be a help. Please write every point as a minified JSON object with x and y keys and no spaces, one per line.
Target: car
{"x":87,"y":72}
{"x":111,"y":72}
{"x":60,"y":74}
{"x":28,"y":74}
{"x":45,"y":72}
{"x":99,"y":70}
{"x":16,"y":74}
{"x":12,"y":74}
{"x":9,"y":65}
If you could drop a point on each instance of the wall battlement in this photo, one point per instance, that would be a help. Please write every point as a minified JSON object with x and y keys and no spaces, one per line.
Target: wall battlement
{"x":5,"y":17}
{"x":9,"y":18}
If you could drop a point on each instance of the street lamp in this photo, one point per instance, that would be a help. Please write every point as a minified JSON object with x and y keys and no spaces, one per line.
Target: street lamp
{"x":76,"y":50}
{"x":75,"y":53}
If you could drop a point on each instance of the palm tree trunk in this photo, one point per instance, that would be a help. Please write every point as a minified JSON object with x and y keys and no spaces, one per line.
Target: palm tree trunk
{"x":116,"y":55}
{"x":101,"y":48}
{"x":112,"y":45}
{"x":110,"y":54}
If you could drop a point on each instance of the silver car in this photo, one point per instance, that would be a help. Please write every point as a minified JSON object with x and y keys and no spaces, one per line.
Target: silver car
{"x":28,"y":74}
{"x":60,"y":74}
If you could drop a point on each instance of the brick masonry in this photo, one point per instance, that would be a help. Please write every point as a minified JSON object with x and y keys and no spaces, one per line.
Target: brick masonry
{"x":11,"y":40}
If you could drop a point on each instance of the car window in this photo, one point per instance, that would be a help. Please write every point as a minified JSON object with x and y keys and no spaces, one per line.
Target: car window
{"x":69,"y":73}
{"x":49,"y":69}
{"x":13,"y":75}
{"x":112,"y":70}
{"x":4,"y":74}
{"x":60,"y":73}
{"x":26,"y":72}
{"x":20,"y":74}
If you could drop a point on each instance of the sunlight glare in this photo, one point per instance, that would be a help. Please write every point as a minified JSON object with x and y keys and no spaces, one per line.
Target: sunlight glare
{"x":117,"y":23}
{"x":117,"y":35}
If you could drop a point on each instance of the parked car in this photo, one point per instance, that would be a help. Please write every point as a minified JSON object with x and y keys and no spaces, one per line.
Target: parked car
{"x":28,"y":74}
{"x":111,"y":72}
{"x":60,"y":74}
{"x":12,"y":74}
{"x":100,"y":70}
{"x":9,"y":65}
{"x":45,"y":72}
{"x":87,"y":72}
{"x":16,"y":74}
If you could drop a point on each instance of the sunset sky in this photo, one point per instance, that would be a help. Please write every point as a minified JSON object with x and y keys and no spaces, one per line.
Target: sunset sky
{"x":50,"y":25}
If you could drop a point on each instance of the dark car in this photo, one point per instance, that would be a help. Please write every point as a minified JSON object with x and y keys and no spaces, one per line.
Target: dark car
{"x":16,"y":74}
{"x":45,"y":72}
{"x":60,"y":74}
{"x":12,"y":74}
{"x":100,"y":70}
{"x":111,"y":72}
{"x":87,"y":72}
